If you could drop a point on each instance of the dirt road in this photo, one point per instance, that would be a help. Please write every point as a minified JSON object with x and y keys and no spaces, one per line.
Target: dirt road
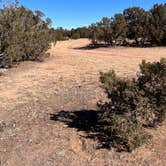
{"x":67,"y":80}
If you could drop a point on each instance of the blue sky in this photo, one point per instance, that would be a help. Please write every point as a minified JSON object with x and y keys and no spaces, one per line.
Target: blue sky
{"x":76,"y":13}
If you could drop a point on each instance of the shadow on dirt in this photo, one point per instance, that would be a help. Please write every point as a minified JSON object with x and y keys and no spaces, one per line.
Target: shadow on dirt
{"x":96,"y":46}
{"x":87,"y":121}
{"x":91,"y":46}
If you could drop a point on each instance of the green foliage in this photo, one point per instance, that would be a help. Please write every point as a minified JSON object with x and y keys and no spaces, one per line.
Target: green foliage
{"x":24,"y":35}
{"x":96,"y":34}
{"x":101,"y":32}
{"x":83,"y":32}
{"x":53,"y":35}
{"x":119,"y":27}
{"x":105,"y":27}
{"x":143,"y":28}
{"x":152,"y":86}
{"x":136,"y":22}
{"x":131,"y":24}
{"x":121,"y":92}
{"x":123,"y":133}
{"x":59,"y":34}
{"x":76,"y":35}
{"x":134,"y":104}
{"x":157,"y":22}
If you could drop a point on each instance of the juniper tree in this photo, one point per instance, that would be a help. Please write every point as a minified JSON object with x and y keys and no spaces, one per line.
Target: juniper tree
{"x":118,"y":26}
{"x":133,"y":104}
{"x":105,"y":26}
{"x":24,"y":35}
{"x":136,"y":19}
{"x":96,"y":33}
{"x":157,"y":24}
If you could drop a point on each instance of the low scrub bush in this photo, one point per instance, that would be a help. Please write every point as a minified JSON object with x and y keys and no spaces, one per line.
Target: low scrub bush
{"x":151,"y":84}
{"x":24,"y":35}
{"x":133,"y":104}
{"x":122,"y":132}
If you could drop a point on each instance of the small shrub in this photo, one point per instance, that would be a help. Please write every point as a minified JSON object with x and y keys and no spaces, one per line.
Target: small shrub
{"x":133,"y":104}
{"x":121,"y":92}
{"x":152,"y":86}
{"x":123,"y":133}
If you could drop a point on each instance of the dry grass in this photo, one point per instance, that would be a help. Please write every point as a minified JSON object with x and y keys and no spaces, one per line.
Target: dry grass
{"x":67,"y":80}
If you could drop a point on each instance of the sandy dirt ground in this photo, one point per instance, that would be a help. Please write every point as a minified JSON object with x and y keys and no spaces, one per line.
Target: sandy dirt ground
{"x":67,"y":80}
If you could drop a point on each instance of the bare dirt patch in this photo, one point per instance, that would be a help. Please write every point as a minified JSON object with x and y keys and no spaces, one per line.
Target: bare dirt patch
{"x":67,"y":80}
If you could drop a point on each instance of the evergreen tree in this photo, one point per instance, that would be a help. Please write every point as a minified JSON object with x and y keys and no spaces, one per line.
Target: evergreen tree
{"x":24,"y":35}
{"x":136,"y":19}
{"x":157,"y":24}
{"x":119,"y":27}
{"x":105,"y":26}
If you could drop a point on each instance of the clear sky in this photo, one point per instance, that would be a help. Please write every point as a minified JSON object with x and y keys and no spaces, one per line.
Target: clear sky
{"x":76,"y":13}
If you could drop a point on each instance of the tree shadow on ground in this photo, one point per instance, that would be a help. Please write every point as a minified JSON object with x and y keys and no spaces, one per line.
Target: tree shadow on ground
{"x":96,"y":46}
{"x":92,"y":46}
{"x":87,"y":121}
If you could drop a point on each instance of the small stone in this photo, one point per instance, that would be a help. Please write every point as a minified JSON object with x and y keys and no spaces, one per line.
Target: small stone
{"x":61,"y":153}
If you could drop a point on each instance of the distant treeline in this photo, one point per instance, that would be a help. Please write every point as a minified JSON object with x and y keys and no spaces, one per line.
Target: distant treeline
{"x":133,"y":27}
{"x":64,"y":34}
